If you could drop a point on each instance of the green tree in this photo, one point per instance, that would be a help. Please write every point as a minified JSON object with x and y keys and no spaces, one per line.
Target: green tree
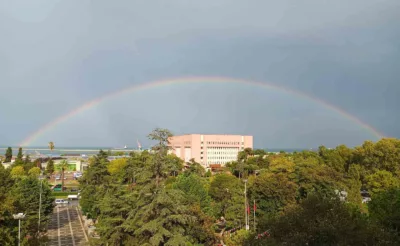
{"x":174,"y":164}
{"x":51,"y":146}
{"x":50,"y":167}
{"x":384,"y":208}
{"x":34,"y":172}
{"x":320,"y":220}
{"x":26,"y":200}
{"x":161,"y":218}
{"x":94,"y":184}
{"x":159,"y":169}
{"x":19,"y":160}
{"x":194,"y":190}
{"x":7,"y":235}
{"x":116,"y":167}
{"x":17,"y":172}
{"x":114,"y":210}
{"x":228,"y":198}
{"x":273,"y":192}
{"x":195,"y":168}
{"x":8,"y":155}
{"x":380,"y":181}
{"x":63,"y":167}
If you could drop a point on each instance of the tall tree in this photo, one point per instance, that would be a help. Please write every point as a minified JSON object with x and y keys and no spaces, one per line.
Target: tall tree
{"x":51,"y":146}
{"x":17,"y":172}
{"x":63,"y":167}
{"x":6,"y":207}
{"x":18,"y":160}
{"x":50,"y":167}
{"x":161,"y":151}
{"x":8,"y":155}
{"x":384,"y":208}
{"x":26,"y":195}
{"x":94,"y":184}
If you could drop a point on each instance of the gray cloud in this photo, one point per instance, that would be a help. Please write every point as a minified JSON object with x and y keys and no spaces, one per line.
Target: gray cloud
{"x":54,"y":56}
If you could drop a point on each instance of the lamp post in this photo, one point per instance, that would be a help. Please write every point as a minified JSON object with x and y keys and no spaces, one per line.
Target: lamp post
{"x":19,"y":217}
{"x":245,"y":205}
{"x":40,"y":204}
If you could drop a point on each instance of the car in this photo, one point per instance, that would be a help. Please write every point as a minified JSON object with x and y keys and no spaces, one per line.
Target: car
{"x":366,"y":199}
{"x":61,"y":201}
{"x":57,"y":187}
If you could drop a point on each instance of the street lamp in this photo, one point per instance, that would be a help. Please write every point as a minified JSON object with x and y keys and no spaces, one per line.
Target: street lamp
{"x":40,"y":203}
{"x":19,"y":217}
{"x":245,"y":205}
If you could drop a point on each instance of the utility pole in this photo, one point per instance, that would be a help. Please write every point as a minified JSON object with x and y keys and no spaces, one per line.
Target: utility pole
{"x":40,"y":204}
{"x":245,"y":205}
{"x":254,"y":210}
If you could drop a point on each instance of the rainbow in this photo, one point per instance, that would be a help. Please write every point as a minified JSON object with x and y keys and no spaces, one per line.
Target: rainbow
{"x":184,"y":80}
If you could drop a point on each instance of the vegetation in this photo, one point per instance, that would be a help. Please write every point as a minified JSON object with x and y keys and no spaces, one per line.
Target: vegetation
{"x":50,"y":167}
{"x":63,"y":166}
{"x":8,"y":155}
{"x":151,"y":199}
{"x":154,"y":198}
{"x":19,"y":193}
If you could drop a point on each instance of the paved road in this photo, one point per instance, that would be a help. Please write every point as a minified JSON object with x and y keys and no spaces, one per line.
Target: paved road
{"x":66,"y":228}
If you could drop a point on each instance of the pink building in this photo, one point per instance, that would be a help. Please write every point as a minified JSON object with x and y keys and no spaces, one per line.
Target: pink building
{"x":209,"y":149}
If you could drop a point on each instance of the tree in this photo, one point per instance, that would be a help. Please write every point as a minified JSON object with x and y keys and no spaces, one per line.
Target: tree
{"x":194,"y":190}
{"x":195,"y":168}
{"x":117,"y":168}
{"x":174,"y":164}
{"x":321,"y":220}
{"x":19,"y":160}
{"x":161,"y":148}
{"x":114,"y":210}
{"x":161,"y":218}
{"x":384,"y":208}
{"x":63,"y":167}
{"x":227,"y":192}
{"x":51,"y":146}
{"x":94,"y":184}
{"x":34,"y":172}
{"x":273,"y":192}
{"x":27,"y":159}
{"x":17,"y":172}
{"x":26,"y":200}
{"x":380,"y":181}
{"x":8,"y":155}
{"x":50,"y":167}
{"x":7,"y":236}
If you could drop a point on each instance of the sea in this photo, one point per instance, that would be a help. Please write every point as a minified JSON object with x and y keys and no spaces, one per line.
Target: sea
{"x":43,"y":150}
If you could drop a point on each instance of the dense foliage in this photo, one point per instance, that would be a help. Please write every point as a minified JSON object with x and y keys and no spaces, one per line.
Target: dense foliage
{"x":304,"y":198}
{"x":19,"y":193}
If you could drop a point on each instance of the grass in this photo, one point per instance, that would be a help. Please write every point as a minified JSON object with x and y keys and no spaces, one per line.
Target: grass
{"x":63,"y":195}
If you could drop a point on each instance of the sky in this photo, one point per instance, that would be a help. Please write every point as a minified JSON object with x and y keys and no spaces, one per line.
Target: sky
{"x":57,"y":55}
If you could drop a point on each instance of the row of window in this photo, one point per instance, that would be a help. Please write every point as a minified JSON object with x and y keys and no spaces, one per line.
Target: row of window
{"x":217,"y":162}
{"x":221,"y":158}
{"x":223,"y":143}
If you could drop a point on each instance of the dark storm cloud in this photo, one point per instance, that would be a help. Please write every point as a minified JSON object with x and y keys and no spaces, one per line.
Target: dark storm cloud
{"x":54,"y":56}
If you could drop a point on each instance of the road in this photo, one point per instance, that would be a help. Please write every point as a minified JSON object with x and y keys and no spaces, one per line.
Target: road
{"x":66,"y":227}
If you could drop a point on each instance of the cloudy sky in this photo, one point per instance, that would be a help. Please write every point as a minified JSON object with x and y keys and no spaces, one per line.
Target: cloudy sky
{"x":57,"y":55}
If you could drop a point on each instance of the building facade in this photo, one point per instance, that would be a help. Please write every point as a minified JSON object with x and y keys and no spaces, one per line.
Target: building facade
{"x":209,"y":149}
{"x":73,"y":165}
